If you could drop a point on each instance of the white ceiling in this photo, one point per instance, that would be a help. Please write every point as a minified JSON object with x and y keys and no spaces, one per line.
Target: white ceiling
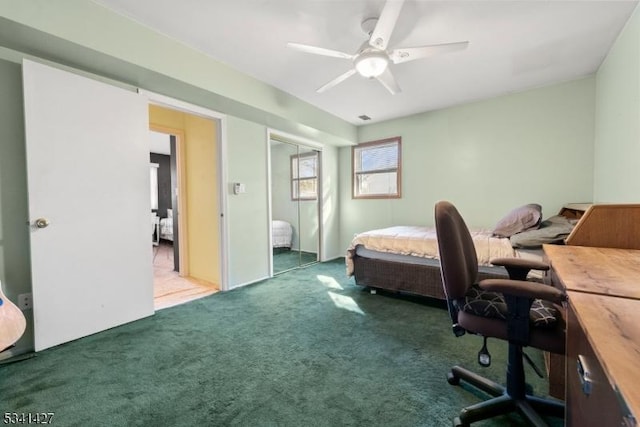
{"x":513,"y":45}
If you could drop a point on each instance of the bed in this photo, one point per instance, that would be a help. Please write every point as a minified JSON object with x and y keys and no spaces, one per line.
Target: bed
{"x":166,"y":226}
{"x":281,"y":232}
{"x":405,"y":258}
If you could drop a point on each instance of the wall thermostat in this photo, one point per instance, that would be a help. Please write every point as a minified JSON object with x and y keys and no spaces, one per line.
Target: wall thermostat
{"x":239,"y":188}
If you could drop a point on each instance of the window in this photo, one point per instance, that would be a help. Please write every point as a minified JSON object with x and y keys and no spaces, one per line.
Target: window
{"x":377,"y":169}
{"x":304,"y":176}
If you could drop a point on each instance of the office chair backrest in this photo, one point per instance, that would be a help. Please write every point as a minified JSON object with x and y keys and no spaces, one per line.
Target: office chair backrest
{"x":458,"y":259}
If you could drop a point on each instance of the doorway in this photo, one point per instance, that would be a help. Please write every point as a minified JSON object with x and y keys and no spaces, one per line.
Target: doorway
{"x":164,"y":193}
{"x":170,"y":287}
{"x":187,"y":261}
{"x":108,"y":214}
{"x":295,"y":172}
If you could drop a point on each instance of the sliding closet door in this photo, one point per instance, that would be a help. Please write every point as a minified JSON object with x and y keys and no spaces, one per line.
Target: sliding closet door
{"x":88,"y":180}
{"x":308,"y":218}
{"x":295,"y":189}
{"x":284,"y":207}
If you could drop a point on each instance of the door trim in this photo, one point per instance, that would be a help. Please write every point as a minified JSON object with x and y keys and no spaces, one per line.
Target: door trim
{"x":300,"y":142}
{"x":221,"y":146}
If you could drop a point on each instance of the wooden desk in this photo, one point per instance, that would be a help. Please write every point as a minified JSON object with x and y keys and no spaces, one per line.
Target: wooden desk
{"x":603,"y":328}
{"x":603,"y":271}
{"x":603,"y":333}
{"x":608,"y":226}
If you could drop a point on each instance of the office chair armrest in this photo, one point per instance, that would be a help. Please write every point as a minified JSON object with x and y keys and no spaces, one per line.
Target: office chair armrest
{"x":519,"y":288}
{"x":528,"y":264}
{"x":517,"y":268}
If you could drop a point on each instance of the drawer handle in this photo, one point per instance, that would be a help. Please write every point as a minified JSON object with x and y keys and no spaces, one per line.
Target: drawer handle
{"x":584,"y":375}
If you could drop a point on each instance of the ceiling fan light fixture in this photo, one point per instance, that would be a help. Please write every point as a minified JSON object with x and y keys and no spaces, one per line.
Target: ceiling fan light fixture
{"x":372,"y":58}
{"x":371,"y":64}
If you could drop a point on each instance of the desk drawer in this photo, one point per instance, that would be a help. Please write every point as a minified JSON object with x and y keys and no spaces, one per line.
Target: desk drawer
{"x":595,"y":404}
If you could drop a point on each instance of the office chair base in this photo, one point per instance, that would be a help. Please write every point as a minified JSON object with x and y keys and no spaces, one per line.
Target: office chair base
{"x":530,"y":407}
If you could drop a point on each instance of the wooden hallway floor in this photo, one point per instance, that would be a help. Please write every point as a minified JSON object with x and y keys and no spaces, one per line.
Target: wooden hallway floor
{"x":169,"y":289}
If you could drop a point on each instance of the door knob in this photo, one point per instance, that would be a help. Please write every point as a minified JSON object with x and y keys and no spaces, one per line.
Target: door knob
{"x":42,"y":222}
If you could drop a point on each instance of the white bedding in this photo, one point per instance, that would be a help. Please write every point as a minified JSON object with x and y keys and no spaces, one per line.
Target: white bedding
{"x":166,"y":228}
{"x":421,"y":242}
{"x":281,"y":233}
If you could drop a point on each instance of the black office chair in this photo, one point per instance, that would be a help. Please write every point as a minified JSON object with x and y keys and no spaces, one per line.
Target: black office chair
{"x":523,"y":313}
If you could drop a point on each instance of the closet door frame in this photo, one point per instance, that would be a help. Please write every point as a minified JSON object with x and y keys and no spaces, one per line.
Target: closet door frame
{"x":298,"y":142}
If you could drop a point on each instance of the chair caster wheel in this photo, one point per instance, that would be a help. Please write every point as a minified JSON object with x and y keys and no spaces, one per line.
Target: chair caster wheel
{"x":452,"y":379}
{"x":457,"y":422}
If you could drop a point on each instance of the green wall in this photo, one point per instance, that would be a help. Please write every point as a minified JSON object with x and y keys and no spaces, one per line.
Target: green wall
{"x":81,"y":35}
{"x":486,"y":157}
{"x":247,"y":213}
{"x":617,"y":137}
{"x":15,"y":268}
{"x":331,"y":246}
{"x":89,"y":37}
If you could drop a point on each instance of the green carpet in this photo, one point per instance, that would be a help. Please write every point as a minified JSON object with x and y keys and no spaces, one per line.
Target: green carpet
{"x":285,"y":259}
{"x":306,"y":348}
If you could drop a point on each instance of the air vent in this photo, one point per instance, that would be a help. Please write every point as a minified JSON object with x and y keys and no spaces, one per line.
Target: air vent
{"x":364,"y":117}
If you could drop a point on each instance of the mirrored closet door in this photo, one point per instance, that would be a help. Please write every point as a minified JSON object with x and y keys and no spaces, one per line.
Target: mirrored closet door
{"x":295,"y":207}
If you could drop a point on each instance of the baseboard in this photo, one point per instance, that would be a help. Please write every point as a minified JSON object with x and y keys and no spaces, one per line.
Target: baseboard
{"x":247,"y":283}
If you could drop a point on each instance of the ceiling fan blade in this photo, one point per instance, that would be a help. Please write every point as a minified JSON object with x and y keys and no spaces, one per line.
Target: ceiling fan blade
{"x":319,"y":50}
{"x":337,"y":80}
{"x":401,"y":55}
{"x":386,"y":23}
{"x":389,"y":82}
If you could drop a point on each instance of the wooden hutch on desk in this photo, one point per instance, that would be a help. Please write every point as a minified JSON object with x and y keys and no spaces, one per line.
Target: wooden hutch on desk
{"x":600,"y":270}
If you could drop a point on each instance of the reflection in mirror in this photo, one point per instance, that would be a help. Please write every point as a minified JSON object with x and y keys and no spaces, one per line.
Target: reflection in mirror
{"x":307,"y":183}
{"x":294,"y":205}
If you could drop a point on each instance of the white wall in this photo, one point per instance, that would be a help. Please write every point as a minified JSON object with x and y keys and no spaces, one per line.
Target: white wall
{"x":486,"y":157}
{"x":617,"y":136}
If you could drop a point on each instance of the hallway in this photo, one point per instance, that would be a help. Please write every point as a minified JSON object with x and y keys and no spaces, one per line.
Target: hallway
{"x":169,"y":289}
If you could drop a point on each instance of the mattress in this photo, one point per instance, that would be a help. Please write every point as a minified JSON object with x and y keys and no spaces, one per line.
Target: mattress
{"x":421,"y":242}
{"x":281,"y":232}
{"x":166,"y":228}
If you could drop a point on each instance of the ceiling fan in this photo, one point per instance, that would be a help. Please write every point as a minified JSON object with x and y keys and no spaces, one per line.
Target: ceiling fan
{"x":372,"y":59}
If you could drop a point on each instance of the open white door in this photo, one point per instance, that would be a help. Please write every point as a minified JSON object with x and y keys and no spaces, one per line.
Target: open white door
{"x":88,"y":180}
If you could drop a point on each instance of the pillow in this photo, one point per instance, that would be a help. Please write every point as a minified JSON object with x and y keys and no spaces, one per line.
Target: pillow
{"x":518,"y":220}
{"x":169,"y":213}
{"x":552,"y":230}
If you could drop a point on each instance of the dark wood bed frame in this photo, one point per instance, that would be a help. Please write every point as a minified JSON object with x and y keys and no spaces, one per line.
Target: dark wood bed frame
{"x":424,"y":280}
